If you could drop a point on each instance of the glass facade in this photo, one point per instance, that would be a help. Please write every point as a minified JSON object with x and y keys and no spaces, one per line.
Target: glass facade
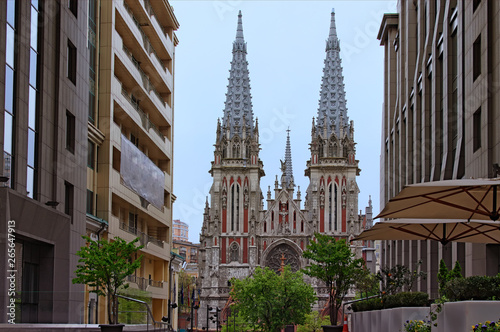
{"x":33,"y":103}
{"x":9,"y":92}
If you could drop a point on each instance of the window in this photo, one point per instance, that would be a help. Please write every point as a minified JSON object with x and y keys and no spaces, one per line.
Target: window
{"x":90,"y":155}
{"x":90,"y":202}
{"x":476,"y":58}
{"x":70,"y":132}
{"x":475,"y":4}
{"x":71,"y":62}
{"x":68,"y":198}
{"x":134,"y":140}
{"x":476,"y":134}
{"x":234,"y":254}
{"x":73,"y":6}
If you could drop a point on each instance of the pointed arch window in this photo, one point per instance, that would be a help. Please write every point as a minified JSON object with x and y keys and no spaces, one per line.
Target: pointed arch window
{"x":332,"y":207}
{"x":331,"y":152}
{"x":236,"y":150}
{"x":235,"y":207}
{"x":320,"y":154}
{"x":247,"y":150}
{"x":234,"y":252}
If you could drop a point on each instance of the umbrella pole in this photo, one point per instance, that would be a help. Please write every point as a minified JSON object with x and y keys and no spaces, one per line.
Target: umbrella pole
{"x":494,"y":214}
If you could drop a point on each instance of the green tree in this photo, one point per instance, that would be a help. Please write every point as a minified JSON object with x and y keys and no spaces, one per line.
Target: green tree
{"x":270,"y":301}
{"x":394,"y":278}
{"x":366,"y":283}
{"x":335,"y":264}
{"x":444,"y":275}
{"x":104,"y":265}
{"x":313,"y":323}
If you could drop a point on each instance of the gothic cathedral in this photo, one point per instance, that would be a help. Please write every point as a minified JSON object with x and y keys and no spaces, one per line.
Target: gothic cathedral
{"x":238,"y":233}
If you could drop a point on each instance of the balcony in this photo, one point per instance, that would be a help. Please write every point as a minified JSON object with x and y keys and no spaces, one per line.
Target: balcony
{"x":158,"y":289}
{"x":125,"y":104}
{"x":155,"y":42}
{"x":144,"y":238}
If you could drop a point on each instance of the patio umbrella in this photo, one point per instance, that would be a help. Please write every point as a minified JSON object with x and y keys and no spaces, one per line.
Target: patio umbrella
{"x":449,"y":199}
{"x":444,"y":231}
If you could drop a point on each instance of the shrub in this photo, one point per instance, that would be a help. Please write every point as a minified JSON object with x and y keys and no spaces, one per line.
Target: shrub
{"x":473,"y":288}
{"x":404,"y":299}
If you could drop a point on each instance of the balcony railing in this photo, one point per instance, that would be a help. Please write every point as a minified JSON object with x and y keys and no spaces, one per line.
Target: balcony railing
{"x":146,"y":82}
{"x":143,"y":283}
{"x":146,"y":122}
{"x":146,"y":42}
{"x":144,"y":238}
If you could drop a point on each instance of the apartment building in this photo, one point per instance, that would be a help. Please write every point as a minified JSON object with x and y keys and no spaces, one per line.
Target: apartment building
{"x":441,"y":115}
{"x":180,"y":231}
{"x":43,"y":77}
{"x":130,"y":138}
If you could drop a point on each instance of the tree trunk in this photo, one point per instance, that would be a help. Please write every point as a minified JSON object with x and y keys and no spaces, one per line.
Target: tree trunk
{"x":332,"y":310}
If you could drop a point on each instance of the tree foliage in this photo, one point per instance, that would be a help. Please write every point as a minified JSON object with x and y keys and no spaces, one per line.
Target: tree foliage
{"x":367,"y":283}
{"x":336,"y":265}
{"x":313,"y":323}
{"x":394,"y":278}
{"x":444,"y":275}
{"x":271,"y":301}
{"x":104,"y":265}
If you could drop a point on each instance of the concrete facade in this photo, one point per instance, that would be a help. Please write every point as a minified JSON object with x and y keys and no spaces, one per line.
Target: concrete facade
{"x":440,"y":115}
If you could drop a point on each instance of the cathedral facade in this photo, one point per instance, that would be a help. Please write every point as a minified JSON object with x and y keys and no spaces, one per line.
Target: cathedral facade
{"x":242,"y":229}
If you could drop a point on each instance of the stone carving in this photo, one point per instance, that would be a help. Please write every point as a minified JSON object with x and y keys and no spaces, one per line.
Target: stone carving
{"x":273,"y":259}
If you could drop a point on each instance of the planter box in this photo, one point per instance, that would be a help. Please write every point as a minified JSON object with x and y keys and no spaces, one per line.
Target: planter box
{"x":387,"y":319}
{"x":460,"y":316}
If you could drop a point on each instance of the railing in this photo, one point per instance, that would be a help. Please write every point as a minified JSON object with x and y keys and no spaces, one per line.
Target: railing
{"x":157,"y":326}
{"x":146,"y":82}
{"x":146,"y":122}
{"x":143,"y":283}
{"x":144,"y":238}
{"x":147,"y":43}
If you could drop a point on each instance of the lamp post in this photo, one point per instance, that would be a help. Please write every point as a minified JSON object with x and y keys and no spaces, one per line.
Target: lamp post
{"x":209,"y":308}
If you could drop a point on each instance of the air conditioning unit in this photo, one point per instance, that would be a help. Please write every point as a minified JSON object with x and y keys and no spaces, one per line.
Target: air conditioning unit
{"x":93,"y":237}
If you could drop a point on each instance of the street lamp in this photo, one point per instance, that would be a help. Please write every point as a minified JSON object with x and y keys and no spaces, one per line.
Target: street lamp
{"x":209,"y":308}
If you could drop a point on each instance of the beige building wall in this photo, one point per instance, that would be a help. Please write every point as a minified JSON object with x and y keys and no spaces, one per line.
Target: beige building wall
{"x":440,"y":115}
{"x":134,"y":106}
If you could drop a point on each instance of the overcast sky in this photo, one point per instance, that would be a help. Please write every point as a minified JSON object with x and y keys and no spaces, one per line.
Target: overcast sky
{"x":286,"y":49}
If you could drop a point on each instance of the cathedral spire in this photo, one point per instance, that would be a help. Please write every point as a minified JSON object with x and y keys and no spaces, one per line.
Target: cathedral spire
{"x":332,"y":111}
{"x":286,"y":166}
{"x":238,"y":112}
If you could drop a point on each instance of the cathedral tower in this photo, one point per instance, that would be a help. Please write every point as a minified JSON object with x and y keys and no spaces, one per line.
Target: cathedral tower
{"x":332,"y":195}
{"x":227,"y":242}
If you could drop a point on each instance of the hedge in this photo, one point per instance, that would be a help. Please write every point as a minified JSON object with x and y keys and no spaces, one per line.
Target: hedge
{"x":404,"y":299}
{"x":473,"y":288}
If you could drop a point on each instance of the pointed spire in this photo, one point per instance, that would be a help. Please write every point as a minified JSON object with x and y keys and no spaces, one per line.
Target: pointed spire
{"x":332,"y":103}
{"x":239,"y":29}
{"x":287,"y":164}
{"x":238,"y":113}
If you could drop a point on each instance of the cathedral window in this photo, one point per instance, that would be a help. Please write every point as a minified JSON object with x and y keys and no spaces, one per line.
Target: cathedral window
{"x":332,"y":206}
{"x":302,"y":225}
{"x":235,"y":207}
{"x":247,"y":151}
{"x":331,"y":151}
{"x":265,"y":227}
{"x":234,"y":252}
{"x":320,"y":154}
{"x":236,"y":150}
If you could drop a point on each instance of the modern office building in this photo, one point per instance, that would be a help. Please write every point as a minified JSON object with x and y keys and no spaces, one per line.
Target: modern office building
{"x":441,"y":115}
{"x":43,"y":129}
{"x":130,"y":138}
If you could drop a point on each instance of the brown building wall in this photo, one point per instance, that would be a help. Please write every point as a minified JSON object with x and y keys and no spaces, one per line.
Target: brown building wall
{"x":46,"y":237}
{"x":431,"y":92}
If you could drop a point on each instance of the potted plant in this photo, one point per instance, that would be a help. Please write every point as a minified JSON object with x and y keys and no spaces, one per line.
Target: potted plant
{"x":335,"y":264}
{"x":103,"y":266}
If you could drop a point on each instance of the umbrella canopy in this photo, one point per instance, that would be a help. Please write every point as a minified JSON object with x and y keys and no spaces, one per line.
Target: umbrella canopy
{"x":444,"y":231}
{"x":449,"y":199}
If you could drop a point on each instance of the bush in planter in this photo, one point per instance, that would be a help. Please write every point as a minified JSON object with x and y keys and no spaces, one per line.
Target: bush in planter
{"x":473,"y":288}
{"x":404,"y":299}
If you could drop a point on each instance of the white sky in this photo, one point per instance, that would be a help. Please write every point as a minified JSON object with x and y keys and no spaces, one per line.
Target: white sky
{"x":286,"y":50}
